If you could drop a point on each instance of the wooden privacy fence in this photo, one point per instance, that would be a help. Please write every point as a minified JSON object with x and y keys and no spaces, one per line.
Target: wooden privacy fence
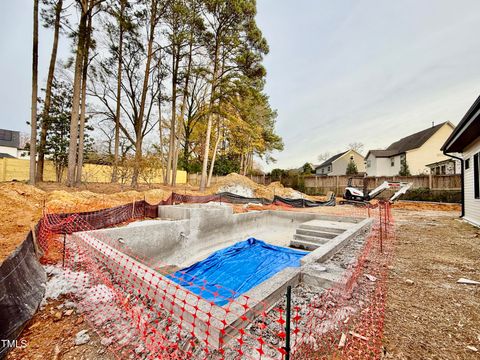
{"x":337,"y":184}
{"x":323,"y":184}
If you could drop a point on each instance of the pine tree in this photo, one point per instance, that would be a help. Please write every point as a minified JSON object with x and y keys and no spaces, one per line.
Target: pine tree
{"x":404,"y":170}
{"x":352,"y":168}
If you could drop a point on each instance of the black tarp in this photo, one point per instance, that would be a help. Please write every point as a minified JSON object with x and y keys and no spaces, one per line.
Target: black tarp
{"x":22,"y":285}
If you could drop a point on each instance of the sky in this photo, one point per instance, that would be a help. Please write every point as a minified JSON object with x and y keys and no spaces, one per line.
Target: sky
{"x":338,"y":71}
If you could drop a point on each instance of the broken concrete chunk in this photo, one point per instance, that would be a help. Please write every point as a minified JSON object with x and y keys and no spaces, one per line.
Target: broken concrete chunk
{"x":82,"y":338}
{"x":410,"y":282}
{"x":106,"y":341}
{"x":472,"y":348}
{"x":371,"y":277}
{"x":467,"y":281}
{"x":343,"y":340}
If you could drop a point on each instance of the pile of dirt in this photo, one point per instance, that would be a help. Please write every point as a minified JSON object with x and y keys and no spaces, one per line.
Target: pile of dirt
{"x":21,"y":208}
{"x":242,"y":185}
{"x":236,"y":184}
{"x":278,"y":189}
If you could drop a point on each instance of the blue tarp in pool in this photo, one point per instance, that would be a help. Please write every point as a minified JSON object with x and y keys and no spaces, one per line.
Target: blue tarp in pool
{"x":232,"y":271}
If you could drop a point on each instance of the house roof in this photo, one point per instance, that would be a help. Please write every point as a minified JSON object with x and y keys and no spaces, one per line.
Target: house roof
{"x":5,"y":155}
{"x":382,"y":153}
{"x":450,"y":160}
{"x":466,"y":131}
{"x":407,"y":143}
{"x":9,"y":138}
{"x":331,"y":160}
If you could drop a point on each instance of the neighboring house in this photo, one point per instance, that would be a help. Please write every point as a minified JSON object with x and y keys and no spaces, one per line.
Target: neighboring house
{"x":337,"y":164}
{"x":465,"y":141}
{"x":445,"y":167}
{"x":301,"y":169}
{"x":417,"y":150}
{"x":10,"y":142}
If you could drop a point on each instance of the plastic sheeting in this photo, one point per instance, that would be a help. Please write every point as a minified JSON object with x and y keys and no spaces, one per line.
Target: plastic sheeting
{"x":22,"y":280}
{"x":232,"y":271}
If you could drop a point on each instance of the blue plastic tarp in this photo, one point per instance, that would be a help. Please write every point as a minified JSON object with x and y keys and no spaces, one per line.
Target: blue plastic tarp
{"x":230,"y":272}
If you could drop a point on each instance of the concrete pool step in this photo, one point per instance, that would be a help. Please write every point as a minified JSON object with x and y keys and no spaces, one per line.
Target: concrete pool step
{"x":315,"y":233}
{"x":313,"y":239}
{"x":304,"y":245}
{"x":335,"y":227}
{"x":312,"y":234}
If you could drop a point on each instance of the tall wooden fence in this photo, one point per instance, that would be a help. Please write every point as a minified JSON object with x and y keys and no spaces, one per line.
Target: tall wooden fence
{"x":337,"y":184}
{"x":323,"y":184}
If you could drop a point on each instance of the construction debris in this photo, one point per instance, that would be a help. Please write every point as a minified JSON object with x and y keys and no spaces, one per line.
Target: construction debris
{"x":467,"y":281}
{"x":343,"y":340}
{"x":472,"y":348}
{"x":82,"y":338}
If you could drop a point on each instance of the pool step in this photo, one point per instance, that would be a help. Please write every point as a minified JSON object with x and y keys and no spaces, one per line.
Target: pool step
{"x":313,"y":234}
{"x":328,"y":229}
{"x":313,"y":239}
{"x":305,"y":245}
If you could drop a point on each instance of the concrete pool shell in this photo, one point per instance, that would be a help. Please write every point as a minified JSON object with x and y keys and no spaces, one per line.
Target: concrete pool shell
{"x":186,"y":234}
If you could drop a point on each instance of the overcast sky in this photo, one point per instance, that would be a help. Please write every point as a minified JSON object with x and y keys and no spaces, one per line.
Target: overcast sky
{"x":339,"y":71}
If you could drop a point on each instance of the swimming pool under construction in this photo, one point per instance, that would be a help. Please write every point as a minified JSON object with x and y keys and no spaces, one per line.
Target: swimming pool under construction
{"x":214,"y":271}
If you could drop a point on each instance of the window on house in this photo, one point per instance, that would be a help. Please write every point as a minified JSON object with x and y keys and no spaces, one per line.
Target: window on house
{"x":323,"y":171}
{"x":476,"y":175}
{"x":443,"y":170}
{"x":369,"y":163}
{"x":467,"y":164}
{"x":392,"y":161}
{"x":329,"y":168}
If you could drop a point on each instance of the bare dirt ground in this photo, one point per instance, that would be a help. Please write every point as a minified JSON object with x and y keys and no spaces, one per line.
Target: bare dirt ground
{"x":433,"y":318}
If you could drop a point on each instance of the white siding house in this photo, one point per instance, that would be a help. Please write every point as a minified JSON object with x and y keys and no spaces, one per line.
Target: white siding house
{"x":464,"y":143}
{"x":337,"y":164}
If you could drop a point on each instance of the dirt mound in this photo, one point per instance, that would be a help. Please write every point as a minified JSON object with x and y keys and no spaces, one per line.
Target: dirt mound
{"x":236,"y":184}
{"x":21,"y":208}
{"x":242,"y":185}
{"x":278,"y":189}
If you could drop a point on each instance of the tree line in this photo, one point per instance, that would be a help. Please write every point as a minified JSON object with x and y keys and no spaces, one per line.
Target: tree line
{"x":187,"y":73}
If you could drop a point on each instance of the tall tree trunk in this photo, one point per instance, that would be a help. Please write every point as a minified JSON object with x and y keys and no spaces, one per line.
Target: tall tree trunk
{"x":203,"y":178}
{"x":119,"y":94}
{"x":171,"y":148}
{"x":241,"y":163}
{"x":81,"y":134}
{"x":214,"y":155}
{"x":77,"y":80}
{"x":183,"y":109}
{"x":33,"y":120}
{"x":48,"y":92}
{"x":160,"y":122}
{"x":139,"y":120}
